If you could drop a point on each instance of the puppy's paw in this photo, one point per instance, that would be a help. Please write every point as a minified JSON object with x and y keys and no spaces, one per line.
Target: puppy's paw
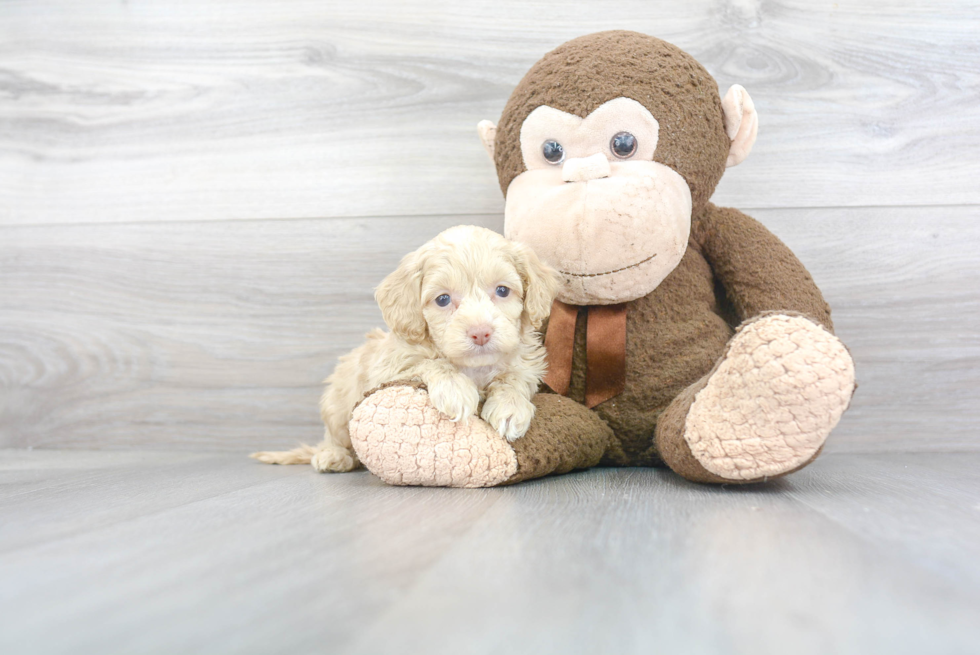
{"x":336,"y":459}
{"x":509,"y":414}
{"x":456,"y":397}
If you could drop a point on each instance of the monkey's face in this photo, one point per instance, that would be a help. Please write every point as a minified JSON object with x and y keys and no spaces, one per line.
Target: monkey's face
{"x":594,"y":205}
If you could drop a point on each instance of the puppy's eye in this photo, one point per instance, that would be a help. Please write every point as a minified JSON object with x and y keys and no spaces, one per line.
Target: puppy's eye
{"x":502,"y":291}
{"x":553,"y":152}
{"x":443,"y":300}
{"x":623,"y":145}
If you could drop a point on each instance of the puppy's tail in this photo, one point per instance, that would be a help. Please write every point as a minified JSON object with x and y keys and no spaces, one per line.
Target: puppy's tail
{"x":301,"y":455}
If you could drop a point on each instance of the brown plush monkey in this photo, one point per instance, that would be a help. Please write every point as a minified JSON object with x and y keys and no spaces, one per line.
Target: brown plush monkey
{"x":686,"y":334}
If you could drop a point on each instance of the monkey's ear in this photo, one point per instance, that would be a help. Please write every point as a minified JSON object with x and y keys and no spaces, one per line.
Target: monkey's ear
{"x":400,"y":298}
{"x":488,"y":135}
{"x":741,"y":123}
{"x":540,"y":286}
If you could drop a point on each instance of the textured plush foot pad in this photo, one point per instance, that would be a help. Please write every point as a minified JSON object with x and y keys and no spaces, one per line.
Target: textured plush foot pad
{"x":771,"y":403}
{"x":401,"y":438}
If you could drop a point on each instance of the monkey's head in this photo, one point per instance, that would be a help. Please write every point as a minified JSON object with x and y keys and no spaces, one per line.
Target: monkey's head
{"x":605,"y":150}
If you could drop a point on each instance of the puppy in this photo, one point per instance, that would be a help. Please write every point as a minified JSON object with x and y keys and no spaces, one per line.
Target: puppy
{"x":464,"y":312}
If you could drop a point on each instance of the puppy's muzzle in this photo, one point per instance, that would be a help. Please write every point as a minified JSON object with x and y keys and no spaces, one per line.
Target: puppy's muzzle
{"x":480,"y":334}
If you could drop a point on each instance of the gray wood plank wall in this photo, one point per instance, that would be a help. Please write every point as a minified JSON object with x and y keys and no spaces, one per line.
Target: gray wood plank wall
{"x":197,"y":198}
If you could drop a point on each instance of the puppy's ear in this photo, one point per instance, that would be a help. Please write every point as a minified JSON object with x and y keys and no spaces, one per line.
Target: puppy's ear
{"x":400,"y":298}
{"x":540,"y":286}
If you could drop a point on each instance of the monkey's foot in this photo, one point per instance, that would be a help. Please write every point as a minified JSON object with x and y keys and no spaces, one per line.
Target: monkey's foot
{"x":403,"y":439}
{"x":767,"y":407}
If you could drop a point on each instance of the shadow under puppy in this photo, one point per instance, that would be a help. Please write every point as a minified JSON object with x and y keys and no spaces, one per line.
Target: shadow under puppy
{"x":464,"y":312}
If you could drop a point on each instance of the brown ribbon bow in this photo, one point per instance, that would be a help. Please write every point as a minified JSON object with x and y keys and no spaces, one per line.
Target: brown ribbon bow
{"x":605,"y":350}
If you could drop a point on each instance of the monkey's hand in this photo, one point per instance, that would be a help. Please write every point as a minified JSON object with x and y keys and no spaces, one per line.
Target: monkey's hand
{"x":403,"y":439}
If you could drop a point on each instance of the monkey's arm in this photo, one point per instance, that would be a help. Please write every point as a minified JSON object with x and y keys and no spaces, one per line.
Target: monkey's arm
{"x":759,"y":272}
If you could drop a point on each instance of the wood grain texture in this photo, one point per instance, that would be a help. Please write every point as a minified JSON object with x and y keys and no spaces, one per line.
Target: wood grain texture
{"x":855,"y":554}
{"x":216,"y":335}
{"x":153,"y":110}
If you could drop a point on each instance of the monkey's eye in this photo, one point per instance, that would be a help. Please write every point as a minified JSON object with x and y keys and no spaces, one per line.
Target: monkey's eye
{"x":623,"y":145}
{"x":443,"y":300}
{"x":553,"y":152}
{"x":503,"y":291}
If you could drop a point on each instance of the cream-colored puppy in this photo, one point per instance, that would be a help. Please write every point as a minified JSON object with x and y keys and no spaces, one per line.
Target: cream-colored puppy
{"x":464,"y":312}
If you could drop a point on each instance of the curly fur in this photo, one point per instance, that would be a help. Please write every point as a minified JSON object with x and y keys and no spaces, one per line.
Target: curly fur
{"x":440,"y":345}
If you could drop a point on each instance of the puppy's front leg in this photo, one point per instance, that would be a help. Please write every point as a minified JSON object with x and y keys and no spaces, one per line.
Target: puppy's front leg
{"x":451,"y":392}
{"x":509,"y":409}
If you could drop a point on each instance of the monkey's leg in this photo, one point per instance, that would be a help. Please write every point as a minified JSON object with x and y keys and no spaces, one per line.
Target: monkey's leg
{"x":765,"y":409}
{"x":400,"y":437}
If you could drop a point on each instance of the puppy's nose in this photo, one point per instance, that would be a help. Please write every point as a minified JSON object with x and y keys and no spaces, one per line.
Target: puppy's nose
{"x":480,"y":334}
{"x":581,"y":169}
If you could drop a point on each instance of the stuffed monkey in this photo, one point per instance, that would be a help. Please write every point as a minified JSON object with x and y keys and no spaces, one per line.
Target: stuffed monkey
{"x":684,"y":334}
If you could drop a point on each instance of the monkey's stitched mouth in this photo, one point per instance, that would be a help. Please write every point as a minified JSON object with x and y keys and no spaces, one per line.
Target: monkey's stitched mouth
{"x":618,"y":270}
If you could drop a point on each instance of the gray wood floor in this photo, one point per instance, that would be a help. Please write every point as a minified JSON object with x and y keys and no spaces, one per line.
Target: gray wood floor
{"x":148,"y":552}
